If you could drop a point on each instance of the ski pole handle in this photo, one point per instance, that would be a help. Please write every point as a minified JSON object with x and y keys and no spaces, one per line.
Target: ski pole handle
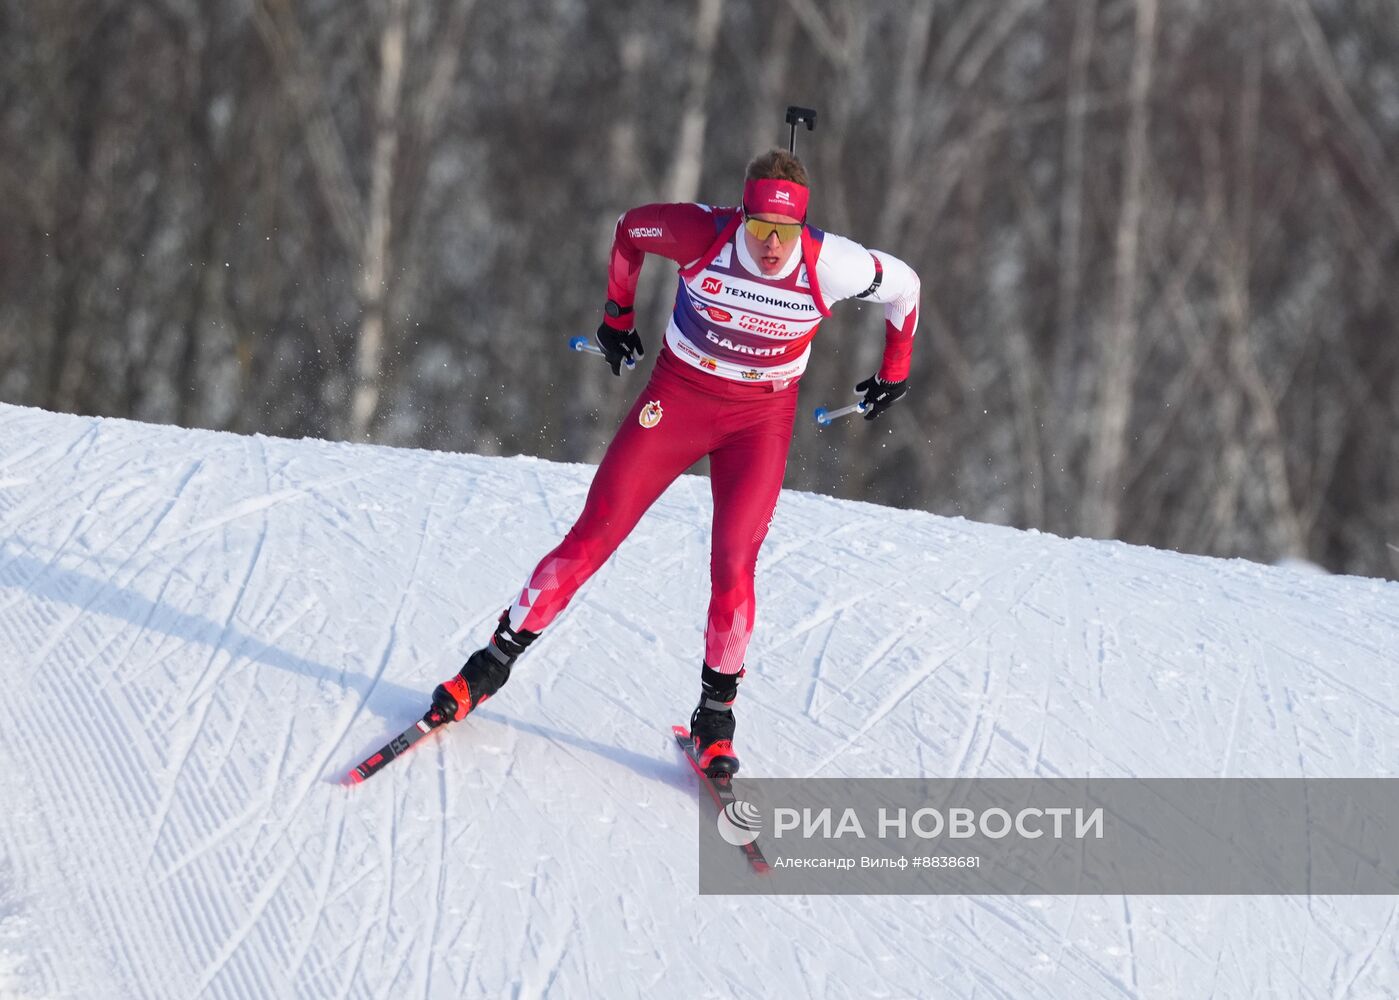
{"x":586,"y":345}
{"x":825,"y":416}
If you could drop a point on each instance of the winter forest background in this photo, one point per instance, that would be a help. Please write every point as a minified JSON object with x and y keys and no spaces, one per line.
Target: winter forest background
{"x":1158,"y":239}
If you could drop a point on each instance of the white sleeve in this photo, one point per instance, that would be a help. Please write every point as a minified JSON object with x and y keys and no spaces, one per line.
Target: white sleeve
{"x":847,"y":270}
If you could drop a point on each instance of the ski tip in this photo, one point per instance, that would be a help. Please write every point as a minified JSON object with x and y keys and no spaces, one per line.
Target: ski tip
{"x":353,"y":778}
{"x":681,"y":732}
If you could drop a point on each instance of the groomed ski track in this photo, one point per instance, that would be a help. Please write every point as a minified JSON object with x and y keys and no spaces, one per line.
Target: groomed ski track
{"x":200,"y":633}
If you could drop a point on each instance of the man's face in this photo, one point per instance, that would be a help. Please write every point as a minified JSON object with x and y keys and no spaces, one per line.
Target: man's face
{"x":771,"y":253}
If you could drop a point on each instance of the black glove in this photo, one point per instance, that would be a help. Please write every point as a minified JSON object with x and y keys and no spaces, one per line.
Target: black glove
{"x":618,"y":345}
{"x":879,"y":395}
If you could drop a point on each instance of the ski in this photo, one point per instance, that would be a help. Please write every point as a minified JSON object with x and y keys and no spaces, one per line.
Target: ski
{"x":721,"y":791}
{"x":396,"y":747}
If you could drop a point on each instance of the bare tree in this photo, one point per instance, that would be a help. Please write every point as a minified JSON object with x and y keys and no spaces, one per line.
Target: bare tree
{"x":1117,"y":367}
{"x":1157,"y":252}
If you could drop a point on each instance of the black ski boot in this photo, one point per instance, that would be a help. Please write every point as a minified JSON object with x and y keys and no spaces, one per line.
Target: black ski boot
{"x":712,"y":724}
{"x":483,"y":674}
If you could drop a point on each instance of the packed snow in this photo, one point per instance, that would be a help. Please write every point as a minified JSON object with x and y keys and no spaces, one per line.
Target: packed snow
{"x":200,"y":633}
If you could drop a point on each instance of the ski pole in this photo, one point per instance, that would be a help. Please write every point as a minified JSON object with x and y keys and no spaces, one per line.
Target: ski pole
{"x":588,"y":347}
{"x":825,"y":416}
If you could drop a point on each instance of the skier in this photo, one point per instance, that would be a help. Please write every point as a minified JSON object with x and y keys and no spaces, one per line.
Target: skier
{"x":754,"y":283}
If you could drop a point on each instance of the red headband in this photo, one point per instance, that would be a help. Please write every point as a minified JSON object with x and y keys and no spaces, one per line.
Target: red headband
{"x":774,"y":197}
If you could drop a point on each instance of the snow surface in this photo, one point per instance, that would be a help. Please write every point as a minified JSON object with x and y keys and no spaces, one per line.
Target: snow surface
{"x":200,"y":633}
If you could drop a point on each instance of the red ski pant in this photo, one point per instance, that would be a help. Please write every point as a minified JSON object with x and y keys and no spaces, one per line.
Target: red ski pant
{"x":681,"y":416}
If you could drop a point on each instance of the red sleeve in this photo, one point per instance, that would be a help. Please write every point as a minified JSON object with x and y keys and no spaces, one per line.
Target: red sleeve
{"x":680,"y":231}
{"x":898,"y":347}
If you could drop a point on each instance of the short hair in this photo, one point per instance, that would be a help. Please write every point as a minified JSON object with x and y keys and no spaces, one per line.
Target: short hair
{"x":777,"y":165}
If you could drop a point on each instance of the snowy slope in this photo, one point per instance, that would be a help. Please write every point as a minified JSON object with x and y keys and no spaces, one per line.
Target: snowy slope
{"x":199,"y":633}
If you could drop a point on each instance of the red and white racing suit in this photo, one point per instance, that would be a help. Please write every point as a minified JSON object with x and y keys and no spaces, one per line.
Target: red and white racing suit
{"x":725,"y":386}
